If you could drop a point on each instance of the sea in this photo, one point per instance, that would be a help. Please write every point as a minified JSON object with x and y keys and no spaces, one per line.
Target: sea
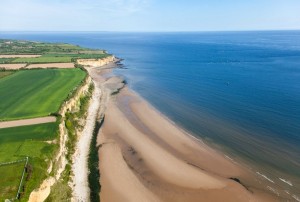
{"x":237,"y":91}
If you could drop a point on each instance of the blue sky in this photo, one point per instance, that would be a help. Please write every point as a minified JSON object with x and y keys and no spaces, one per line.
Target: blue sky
{"x":148,"y":15}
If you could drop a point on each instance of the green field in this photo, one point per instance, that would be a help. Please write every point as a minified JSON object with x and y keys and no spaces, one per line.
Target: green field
{"x":31,"y":47}
{"x":6,"y":60}
{"x":78,"y":56}
{"x":43,"y":60}
{"x":5,"y":73}
{"x":57,"y":58}
{"x":50,"y":52}
{"x":36,"y":93}
{"x":10,"y":176}
{"x":17,"y":143}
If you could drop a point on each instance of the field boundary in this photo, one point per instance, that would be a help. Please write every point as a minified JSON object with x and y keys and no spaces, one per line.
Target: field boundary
{"x":11,"y":162}
{"x":27,"y":122}
{"x":22,"y":178}
{"x":26,"y":159}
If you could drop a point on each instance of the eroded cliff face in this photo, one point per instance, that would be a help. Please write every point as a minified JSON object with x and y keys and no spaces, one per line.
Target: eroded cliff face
{"x":59,"y":162}
{"x":96,"y":62}
{"x":72,"y":103}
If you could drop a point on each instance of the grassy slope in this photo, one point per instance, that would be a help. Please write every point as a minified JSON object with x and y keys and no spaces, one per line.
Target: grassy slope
{"x":19,"y":142}
{"x":35,"y":93}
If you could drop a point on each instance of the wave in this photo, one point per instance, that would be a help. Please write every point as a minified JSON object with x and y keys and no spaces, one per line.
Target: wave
{"x":273,"y":190}
{"x":262,"y":175}
{"x":286,"y":181}
{"x":296,"y":198}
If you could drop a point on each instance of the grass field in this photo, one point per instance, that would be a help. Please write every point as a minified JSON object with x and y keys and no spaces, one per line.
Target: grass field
{"x":31,"y":47}
{"x":6,"y":60}
{"x":5,"y":73}
{"x":10,"y":176}
{"x":78,"y":56}
{"x":43,"y":60}
{"x":58,"y":58}
{"x":36,"y":93}
{"x":17,"y":143}
{"x":26,"y":141}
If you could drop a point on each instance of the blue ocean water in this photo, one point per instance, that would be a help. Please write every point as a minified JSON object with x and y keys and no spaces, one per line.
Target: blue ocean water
{"x":239,"y":91}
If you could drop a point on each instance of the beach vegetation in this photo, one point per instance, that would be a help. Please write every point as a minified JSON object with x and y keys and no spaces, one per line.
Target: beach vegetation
{"x":93,"y":165}
{"x":73,"y":122}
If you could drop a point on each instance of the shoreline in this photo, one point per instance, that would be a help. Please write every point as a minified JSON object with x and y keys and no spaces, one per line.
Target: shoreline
{"x":81,"y":190}
{"x":258,"y":178}
{"x":124,"y":108}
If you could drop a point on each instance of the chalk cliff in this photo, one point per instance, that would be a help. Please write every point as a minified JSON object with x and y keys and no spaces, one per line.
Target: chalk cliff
{"x":96,"y":62}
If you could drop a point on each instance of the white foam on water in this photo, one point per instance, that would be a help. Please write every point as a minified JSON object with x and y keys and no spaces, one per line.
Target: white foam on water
{"x":296,"y":198}
{"x":273,"y":190}
{"x":229,"y":158}
{"x":286,"y":181}
{"x":262,"y":175}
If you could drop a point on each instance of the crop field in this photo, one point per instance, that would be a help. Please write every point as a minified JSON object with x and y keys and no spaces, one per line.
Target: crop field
{"x":36,"y":93}
{"x":42,"y":60}
{"x":79,"y":56}
{"x":31,"y":47}
{"x":17,"y":143}
{"x":5,"y":73}
{"x":50,"y":52}
{"x":10,"y":176}
{"x":6,"y":60}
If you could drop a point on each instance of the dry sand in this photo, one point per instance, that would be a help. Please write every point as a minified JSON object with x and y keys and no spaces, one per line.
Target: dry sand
{"x":97,"y":106}
{"x":12,"y":66}
{"x":19,"y":56}
{"x":144,"y":157}
{"x":51,"y":65}
{"x":26,"y":122}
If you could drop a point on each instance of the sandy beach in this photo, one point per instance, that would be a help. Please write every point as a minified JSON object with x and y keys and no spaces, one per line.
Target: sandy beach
{"x":145,"y":157}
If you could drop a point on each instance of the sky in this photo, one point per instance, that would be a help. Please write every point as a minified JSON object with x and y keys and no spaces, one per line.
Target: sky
{"x":149,"y":15}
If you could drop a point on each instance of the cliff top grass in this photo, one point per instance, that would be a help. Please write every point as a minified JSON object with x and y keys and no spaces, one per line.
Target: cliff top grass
{"x":16,"y":144}
{"x":36,"y":93}
{"x":29,"y":93}
{"x":50,"y":52}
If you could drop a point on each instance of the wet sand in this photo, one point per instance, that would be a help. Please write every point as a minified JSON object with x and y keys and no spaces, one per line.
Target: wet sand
{"x":145,"y":157}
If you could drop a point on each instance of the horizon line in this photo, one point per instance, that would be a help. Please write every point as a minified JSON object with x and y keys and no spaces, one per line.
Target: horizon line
{"x":174,"y":31}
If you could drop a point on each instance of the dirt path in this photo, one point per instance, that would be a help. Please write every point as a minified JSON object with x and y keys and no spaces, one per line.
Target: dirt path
{"x":26,"y":122}
{"x":12,"y":66}
{"x":19,"y":56}
{"x":50,"y":65}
